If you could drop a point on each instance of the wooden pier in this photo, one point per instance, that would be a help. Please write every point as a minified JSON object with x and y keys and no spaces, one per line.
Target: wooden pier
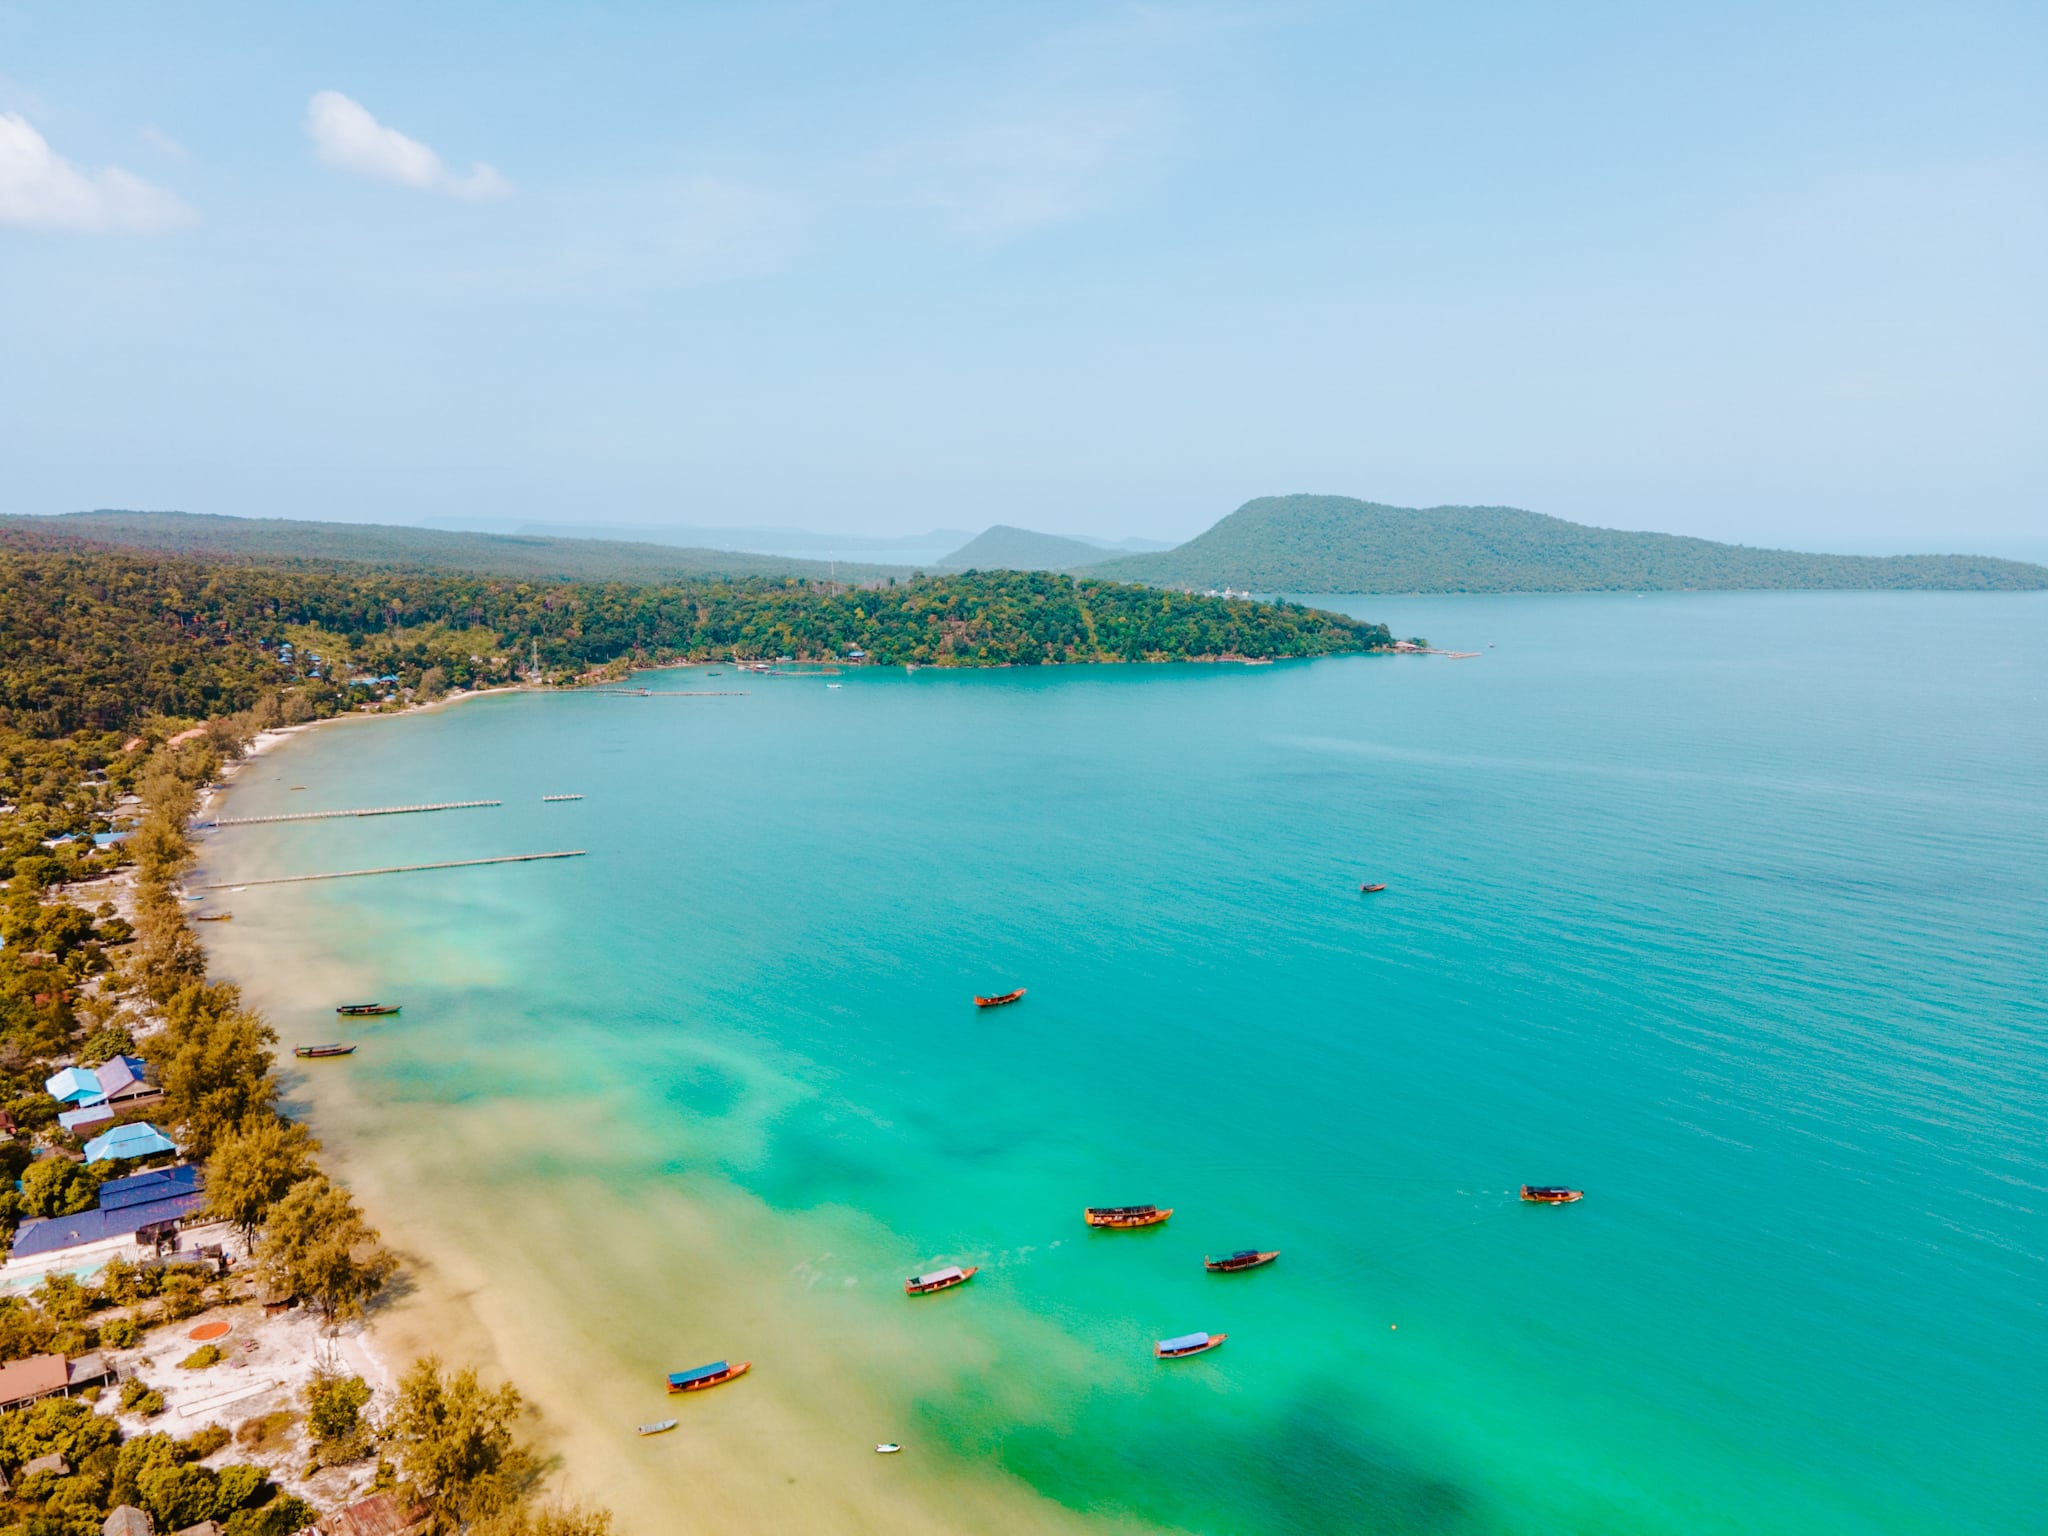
{"x":392,"y":869}
{"x":374,"y":810}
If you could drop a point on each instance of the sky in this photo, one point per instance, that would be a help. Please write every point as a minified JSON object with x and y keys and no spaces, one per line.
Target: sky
{"x":1771,"y":273}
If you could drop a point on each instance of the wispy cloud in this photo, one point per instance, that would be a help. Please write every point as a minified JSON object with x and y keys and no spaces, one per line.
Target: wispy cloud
{"x":345,"y":135}
{"x":163,"y":143}
{"x":40,"y":189}
{"x":1041,"y":164}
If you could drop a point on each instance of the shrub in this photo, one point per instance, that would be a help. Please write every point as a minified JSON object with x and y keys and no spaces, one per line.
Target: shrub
{"x":264,"y":1430}
{"x":201,"y":1358}
{"x":139,"y":1397}
{"x":202,"y":1443}
{"x":280,"y":1517}
{"x":119,"y":1333}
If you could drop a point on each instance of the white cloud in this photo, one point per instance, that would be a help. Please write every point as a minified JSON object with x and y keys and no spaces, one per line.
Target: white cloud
{"x":40,"y":189}
{"x":347,"y":137}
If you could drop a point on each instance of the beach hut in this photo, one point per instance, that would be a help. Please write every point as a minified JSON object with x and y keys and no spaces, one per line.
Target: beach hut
{"x":124,"y":1082}
{"x":125,"y":1141}
{"x":75,"y":1085}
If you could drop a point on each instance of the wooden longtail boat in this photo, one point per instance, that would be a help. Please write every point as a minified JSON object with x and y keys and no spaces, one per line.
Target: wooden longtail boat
{"x":1126,"y":1215}
{"x":1187,"y":1344}
{"x":1244,"y":1258}
{"x":940,"y":1280}
{"x":658,"y":1427}
{"x":715,"y":1374}
{"x":323,"y":1050}
{"x":366,"y":1010}
{"x":1377,"y":886}
{"x":1551,"y":1194}
{"x":997,"y":1002}
{"x":213,"y":917}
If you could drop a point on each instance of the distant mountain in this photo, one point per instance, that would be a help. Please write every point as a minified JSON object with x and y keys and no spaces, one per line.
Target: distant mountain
{"x":793,"y":543}
{"x":273,"y":539}
{"x":1336,"y":544}
{"x":1003,"y":548}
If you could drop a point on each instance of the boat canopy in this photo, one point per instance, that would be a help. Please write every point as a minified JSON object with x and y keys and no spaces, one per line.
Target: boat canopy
{"x":950,"y":1272}
{"x":684,"y":1378}
{"x":1121,"y":1210}
{"x":1185,"y":1341}
{"x":1246,"y":1253}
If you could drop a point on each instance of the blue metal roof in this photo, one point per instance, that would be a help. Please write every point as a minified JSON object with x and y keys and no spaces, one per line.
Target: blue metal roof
{"x":134,"y":1140}
{"x":74,"y":1085}
{"x":86,"y":1118}
{"x":141,"y":1188}
{"x":52,"y":1234}
{"x":1185,"y":1341}
{"x":683,"y":1378}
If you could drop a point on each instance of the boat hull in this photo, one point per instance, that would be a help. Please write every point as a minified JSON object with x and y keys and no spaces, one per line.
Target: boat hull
{"x":709,"y":1382}
{"x":367,"y":1010}
{"x":311,"y":1052}
{"x":932,"y":1287}
{"x":1120,"y":1220}
{"x":1215,"y":1341}
{"x":1540,"y":1196}
{"x":1235,"y":1265}
{"x":1003,"y":1001}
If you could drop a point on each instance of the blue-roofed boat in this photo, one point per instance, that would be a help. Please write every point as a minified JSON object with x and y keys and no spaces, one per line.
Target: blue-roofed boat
{"x":1187,"y":1344}
{"x":1244,"y":1258}
{"x":1126,"y":1215}
{"x":367,"y":1010}
{"x":712,"y":1375}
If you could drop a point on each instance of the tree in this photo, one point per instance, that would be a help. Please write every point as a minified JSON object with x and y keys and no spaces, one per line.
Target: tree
{"x":56,"y":1186}
{"x":315,"y":1244}
{"x":253,"y":1165}
{"x":454,"y":1441}
{"x":214,"y":1066}
{"x":550,"y":1519}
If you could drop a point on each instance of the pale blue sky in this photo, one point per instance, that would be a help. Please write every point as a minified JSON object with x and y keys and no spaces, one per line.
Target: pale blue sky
{"x":1768,"y":272}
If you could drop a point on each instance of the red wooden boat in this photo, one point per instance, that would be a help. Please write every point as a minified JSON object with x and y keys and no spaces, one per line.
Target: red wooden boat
{"x":1187,"y":1344}
{"x":323,"y":1050}
{"x":1244,"y":1258}
{"x":940,"y":1280}
{"x":997,"y":1002}
{"x":1126,"y":1215}
{"x":1551,"y":1194}
{"x":715,"y":1374}
{"x":1369,"y":889}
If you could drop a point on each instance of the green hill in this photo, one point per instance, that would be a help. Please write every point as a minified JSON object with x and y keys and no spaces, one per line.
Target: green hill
{"x":1003,"y":548}
{"x":1338,"y":544}
{"x":387,"y":547}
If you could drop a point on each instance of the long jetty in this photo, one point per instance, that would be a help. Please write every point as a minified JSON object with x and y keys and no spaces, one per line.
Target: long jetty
{"x":674,"y":693}
{"x":374,"y":810}
{"x":392,"y":869}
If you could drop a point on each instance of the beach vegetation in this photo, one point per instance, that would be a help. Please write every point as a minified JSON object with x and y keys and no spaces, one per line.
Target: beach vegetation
{"x":454,"y":1443}
{"x":139,"y":1397}
{"x":202,"y":1357}
{"x":549,"y":1519}
{"x":56,"y":1186}
{"x":315,"y":1245}
{"x":253,"y":1166}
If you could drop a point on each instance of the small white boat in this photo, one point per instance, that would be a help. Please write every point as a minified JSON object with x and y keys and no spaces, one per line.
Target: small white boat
{"x":659,"y":1427}
{"x":887,"y":1448}
{"x":831,"y":685}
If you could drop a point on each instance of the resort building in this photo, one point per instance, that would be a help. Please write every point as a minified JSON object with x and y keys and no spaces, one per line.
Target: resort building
{"x":30,"y":1381}
{"x":75,"y":1085}
{"x":125,"y":1141}
{"x":142,"y":1210}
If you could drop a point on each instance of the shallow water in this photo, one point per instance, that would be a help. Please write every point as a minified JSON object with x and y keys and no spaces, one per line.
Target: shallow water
{"x":1726,"y":908}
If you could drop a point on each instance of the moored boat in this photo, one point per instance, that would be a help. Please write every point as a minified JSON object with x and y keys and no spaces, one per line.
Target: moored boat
{"x":1126,"y":1215}
{"x":940,"y":1280}
{"x":999,"y":1000}
{"x":658,"y":1427}
{"x":323,"y":1050}
{"x":1380,"y":885}
{"x":213,"y":917}
{"x":887,"y":1448}
{"x":712,"y":1375}
{"x":1244,"y":1258}
{"x":1551,"y":1194}
{"x":1187,"y":1344}
{"x":366,"y":1010}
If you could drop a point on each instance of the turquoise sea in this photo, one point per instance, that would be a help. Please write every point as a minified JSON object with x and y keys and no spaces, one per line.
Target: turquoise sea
{"x":1727,"y":908}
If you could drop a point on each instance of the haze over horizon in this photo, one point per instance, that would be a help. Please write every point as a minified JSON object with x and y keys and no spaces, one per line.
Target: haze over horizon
{"x":1098,"y":269}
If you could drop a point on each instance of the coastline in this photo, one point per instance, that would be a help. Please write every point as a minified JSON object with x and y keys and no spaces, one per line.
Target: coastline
{"x":778,"y":1459}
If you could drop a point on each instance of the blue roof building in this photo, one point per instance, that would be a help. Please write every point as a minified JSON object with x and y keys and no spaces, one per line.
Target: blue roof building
{"x":126,"y":1141}
{"x":75,"y":1085}
{"x":89,"y":1118}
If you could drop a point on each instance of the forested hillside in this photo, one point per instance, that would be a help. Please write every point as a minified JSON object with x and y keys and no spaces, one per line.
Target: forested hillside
{"x":1336,"y":544}
{"x":276,"y":539}
{"x":1003,"y":548}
